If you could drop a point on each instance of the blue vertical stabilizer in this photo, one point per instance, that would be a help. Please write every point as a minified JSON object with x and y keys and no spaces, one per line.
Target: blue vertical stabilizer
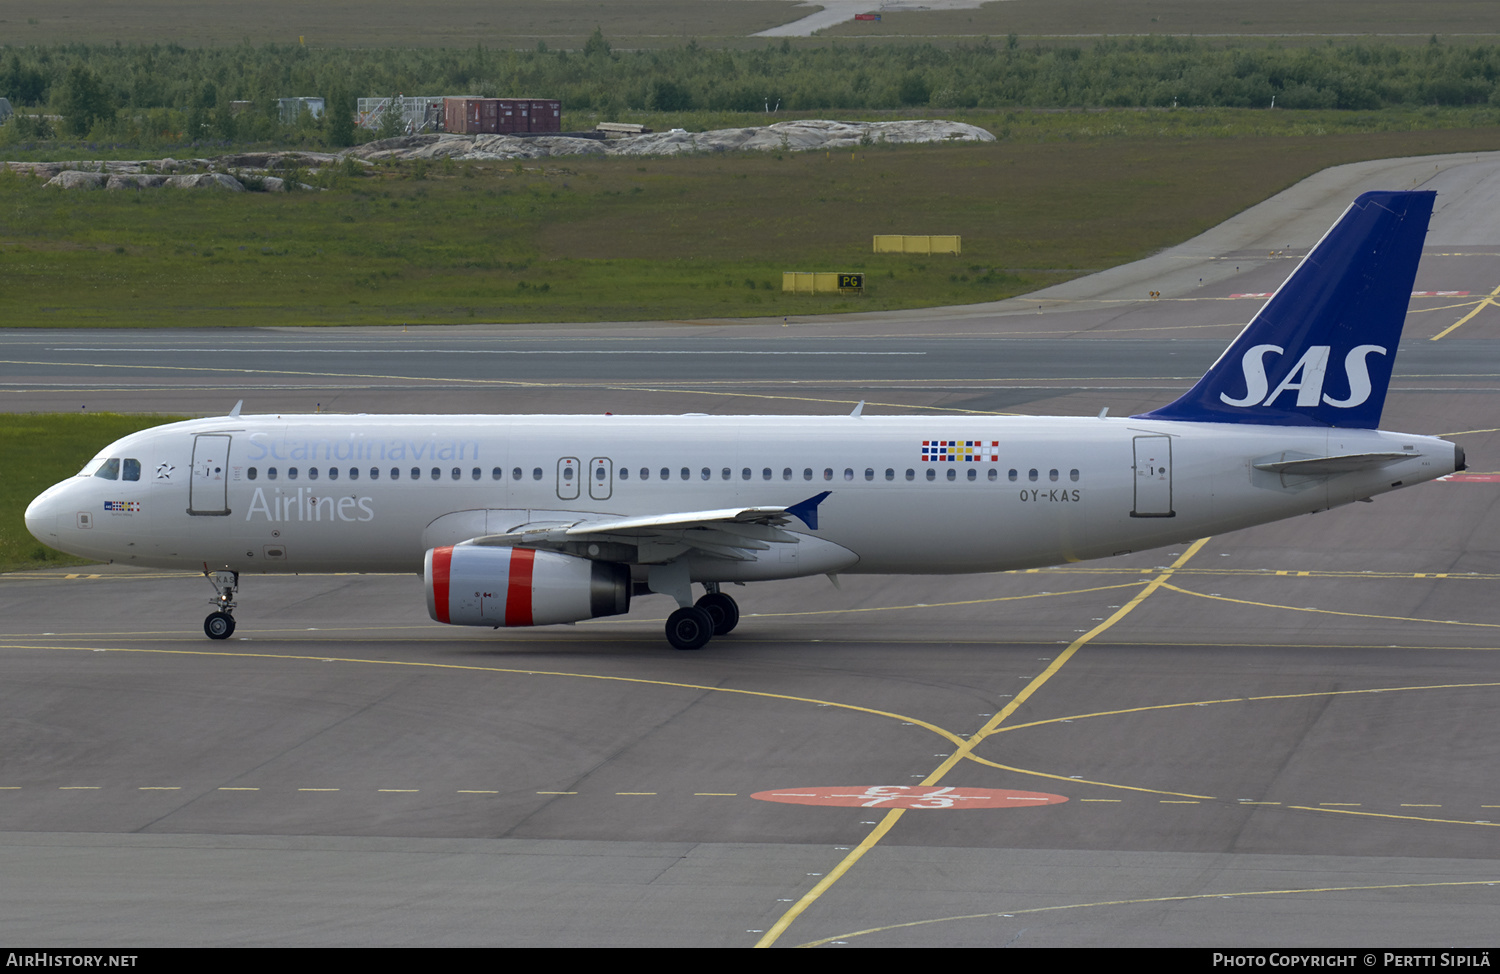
{"x":1321,"y":351}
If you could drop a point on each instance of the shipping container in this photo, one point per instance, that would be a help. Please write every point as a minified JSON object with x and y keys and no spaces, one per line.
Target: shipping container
{"x":506,"y":116}
{"x":511,"y":116}
{"x":470,"y":115}
{"x":546,"y":115}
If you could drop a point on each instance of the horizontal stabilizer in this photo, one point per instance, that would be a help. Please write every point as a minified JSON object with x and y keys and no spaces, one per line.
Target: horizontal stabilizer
{"x":1332,"y":466}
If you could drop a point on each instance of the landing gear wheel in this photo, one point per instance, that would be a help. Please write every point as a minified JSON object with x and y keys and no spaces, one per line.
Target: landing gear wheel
{"x":219,"y":625}
{"x":689,"y":628}
{"x":722,"y":609}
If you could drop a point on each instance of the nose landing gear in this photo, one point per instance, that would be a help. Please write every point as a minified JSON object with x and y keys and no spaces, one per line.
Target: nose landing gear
{"x":220,"y":623}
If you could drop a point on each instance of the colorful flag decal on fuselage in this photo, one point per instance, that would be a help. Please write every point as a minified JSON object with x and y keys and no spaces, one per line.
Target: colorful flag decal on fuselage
{"x":960,"y":451}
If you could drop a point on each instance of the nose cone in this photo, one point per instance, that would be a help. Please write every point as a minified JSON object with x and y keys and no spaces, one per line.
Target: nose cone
{"x":42,"y":515}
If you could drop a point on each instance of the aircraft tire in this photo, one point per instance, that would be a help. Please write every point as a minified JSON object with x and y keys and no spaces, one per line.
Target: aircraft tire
{"x":689,"y":628}
{"x":722,"y":609}
{"x":218,"y":625}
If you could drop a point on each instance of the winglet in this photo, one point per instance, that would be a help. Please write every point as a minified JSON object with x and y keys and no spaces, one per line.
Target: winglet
{"x":1320,"y":352}
{"x":807,"y":510}
{"x":235,"y":412}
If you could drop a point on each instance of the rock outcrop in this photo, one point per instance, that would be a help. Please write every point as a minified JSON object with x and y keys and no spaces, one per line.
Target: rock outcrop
{"x":234,"y":172}
{"x":796,"y":136}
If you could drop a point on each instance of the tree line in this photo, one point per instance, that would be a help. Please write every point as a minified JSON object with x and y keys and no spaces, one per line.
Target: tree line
{"x":127,"y":92}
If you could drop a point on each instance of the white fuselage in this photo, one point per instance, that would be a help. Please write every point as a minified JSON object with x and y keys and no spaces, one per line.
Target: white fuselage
{"x":374,"y":493}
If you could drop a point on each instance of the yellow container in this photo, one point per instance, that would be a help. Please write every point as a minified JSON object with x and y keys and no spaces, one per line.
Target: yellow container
{"x":892,"y":243}
{"x":812,"y":282}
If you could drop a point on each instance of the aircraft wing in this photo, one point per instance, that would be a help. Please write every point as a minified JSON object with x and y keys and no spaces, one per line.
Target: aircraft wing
{"x":688,"y":519}
{"x":732,"y":533}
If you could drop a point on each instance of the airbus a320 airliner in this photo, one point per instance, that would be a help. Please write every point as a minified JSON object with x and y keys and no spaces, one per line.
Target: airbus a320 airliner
{"x":536,"y":520}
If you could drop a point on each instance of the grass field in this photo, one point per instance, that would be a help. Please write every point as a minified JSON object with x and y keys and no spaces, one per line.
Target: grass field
{"x":622,"y":239}
{"x":653,"y":23}
{"x":38,"y":451}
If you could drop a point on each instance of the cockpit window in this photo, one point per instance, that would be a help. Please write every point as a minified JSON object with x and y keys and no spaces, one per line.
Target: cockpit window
{"x":112,"y":468}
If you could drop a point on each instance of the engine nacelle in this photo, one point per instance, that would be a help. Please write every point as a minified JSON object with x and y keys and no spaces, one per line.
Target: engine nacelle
{"x":476,"y":585}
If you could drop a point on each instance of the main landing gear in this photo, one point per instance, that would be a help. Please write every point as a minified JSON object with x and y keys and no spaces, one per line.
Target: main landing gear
{"x":693,"y":626}
{"x":220,"y":623}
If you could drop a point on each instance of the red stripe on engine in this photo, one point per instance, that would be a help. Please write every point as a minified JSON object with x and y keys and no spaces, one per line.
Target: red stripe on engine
{"x":442,"y":561}
{"x":518,"y":592}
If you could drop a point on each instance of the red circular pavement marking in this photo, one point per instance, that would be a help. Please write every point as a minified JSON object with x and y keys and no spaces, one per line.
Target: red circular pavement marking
{"x":909,"y":796}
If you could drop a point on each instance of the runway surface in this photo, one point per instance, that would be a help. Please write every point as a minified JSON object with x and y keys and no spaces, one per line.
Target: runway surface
{"x":1280,"y":737}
